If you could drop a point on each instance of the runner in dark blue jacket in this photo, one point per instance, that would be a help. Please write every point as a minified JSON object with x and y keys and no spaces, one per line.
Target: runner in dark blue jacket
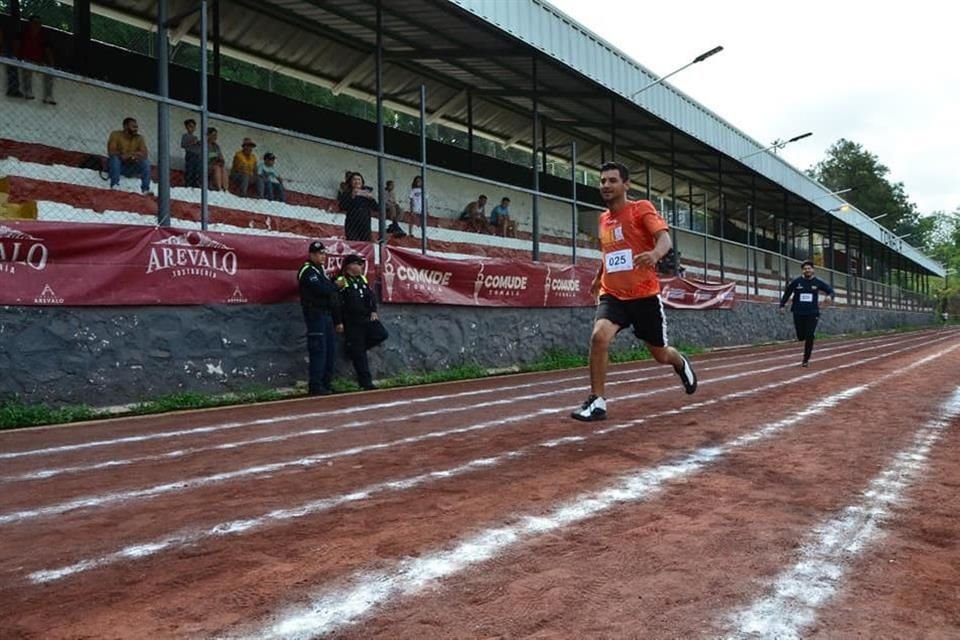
{"x":805,"y":307}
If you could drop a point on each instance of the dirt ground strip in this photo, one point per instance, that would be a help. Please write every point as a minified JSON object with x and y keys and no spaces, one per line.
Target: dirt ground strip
{"x":739,"y":479}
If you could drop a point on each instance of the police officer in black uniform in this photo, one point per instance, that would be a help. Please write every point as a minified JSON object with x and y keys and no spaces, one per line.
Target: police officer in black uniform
{"x":321,"y":312}
{"x":805,"y":307}
{"x":359,"y":307}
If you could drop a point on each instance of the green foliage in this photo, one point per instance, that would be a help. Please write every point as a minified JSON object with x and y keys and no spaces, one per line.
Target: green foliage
{"x":15,"y":414}
{"x":849,"y":165}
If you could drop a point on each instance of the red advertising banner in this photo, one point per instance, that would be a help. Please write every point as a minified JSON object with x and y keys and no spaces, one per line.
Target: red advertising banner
{"x":103,"y":264}
{"x":410,"y":277}
{"x":680,"y":293}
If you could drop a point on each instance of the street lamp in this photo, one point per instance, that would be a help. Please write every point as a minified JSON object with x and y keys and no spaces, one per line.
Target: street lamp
{"x":882,"y":215}
{"x":700,"y":58}
{"x":778,"y":144}
{"x":835,"y":193}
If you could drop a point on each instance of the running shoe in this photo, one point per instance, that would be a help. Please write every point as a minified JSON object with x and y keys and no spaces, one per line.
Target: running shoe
{"x":687,"y":375}
{"x":594,"y":408}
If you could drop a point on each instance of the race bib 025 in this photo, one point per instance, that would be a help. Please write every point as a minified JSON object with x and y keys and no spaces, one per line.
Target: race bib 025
{"x":618,"y":260}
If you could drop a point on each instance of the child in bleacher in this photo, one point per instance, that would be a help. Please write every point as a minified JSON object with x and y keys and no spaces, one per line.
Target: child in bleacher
{"x":270,"y":183}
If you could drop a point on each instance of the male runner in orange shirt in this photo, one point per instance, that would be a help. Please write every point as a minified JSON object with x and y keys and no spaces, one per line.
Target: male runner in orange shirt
{"x":633,"y":237}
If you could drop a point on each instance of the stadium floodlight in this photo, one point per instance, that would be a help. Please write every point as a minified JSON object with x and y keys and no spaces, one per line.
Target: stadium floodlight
{"x":834,"y":193}
{"x":700,"y":58}
{"x":776,"y":145}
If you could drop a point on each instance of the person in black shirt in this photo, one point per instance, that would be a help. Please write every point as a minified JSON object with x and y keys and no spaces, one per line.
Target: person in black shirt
{"x":805,"y":307}
{"x":359,"y":307}
{"x":357,"y":203}
{"x":321,"y":312}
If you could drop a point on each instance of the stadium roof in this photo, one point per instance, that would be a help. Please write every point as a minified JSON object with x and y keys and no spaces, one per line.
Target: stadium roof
{"x":491,"y":50}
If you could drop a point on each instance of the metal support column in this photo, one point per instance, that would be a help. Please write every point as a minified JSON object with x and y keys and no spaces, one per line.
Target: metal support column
{"x":536,"y":171}
{"x":723,"y":214}
{"x":163,"y":117}
{"x":470,"y":129}
{"x":81,"y":33}
{"x":613,"y":129}
{"x":423,"y":169}
{"x":381,"y":148}
{"x":646,"y":171}
{"x":204,"y":116}
{"x":217,"y":75}
{"x":830,"y":261}
{"x":573,"y":195}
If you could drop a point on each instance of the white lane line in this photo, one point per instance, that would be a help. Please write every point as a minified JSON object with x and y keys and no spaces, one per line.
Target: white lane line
{"x":372,"y":407}
{"x":45,"y":473}
{"x":186,"y":484}
{"x":797,"y":593}
{"x":367,"y":591}
{"x":333,"y":609}
{"x":247,"y":525}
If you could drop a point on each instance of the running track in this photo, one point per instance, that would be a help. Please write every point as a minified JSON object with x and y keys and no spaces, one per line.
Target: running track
{"x":777,"y":502}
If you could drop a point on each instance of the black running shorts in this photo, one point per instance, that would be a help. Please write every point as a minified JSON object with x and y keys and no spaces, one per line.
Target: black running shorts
{"x":645,"y":315}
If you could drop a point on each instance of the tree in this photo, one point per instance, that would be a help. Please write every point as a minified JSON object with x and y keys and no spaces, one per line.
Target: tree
{"x":849,"y":165}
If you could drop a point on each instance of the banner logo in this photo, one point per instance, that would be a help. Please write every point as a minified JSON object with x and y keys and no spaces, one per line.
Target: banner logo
{"x":17,"y":247}
{"x":194,"y":254}
{"x":237,"y":297}
{"x":48,"y":296}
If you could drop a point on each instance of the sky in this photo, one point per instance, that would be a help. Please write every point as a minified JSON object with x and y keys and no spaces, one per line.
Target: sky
{"x":883,"y":74}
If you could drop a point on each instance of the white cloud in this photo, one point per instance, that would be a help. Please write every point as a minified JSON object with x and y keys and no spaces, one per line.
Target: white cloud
{"x":883,"y":74}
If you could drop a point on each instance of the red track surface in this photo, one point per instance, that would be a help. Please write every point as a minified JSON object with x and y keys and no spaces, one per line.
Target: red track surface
{"x":693,"y":548}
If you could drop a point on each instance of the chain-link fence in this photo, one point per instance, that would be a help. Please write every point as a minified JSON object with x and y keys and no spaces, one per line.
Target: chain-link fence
{"x":88,"y":151}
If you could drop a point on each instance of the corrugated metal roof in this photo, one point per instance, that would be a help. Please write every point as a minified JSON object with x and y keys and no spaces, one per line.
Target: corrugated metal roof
{"x":488,"y":47}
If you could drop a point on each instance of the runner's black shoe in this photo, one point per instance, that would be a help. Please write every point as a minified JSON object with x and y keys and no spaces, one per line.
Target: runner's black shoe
{"x":687,"y":375}
{"x":594,"y":408}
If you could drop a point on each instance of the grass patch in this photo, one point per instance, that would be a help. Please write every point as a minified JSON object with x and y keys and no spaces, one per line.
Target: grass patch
{"x":15,"y":414}
{"x":194,"y":400}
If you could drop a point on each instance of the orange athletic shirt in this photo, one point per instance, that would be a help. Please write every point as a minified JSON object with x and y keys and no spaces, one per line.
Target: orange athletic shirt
{"x":631,"y":230}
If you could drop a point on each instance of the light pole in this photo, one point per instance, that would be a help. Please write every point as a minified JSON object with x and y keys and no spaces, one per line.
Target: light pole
{"x":700,"y":58}
{"x":777,"y":145}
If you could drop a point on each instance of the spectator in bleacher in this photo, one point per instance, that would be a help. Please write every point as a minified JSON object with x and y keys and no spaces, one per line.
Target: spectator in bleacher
{"x":128,"y":156}
{"x":192,"y":154}
{"x":34,"y":49}
{"x":345,"y":187}
{"x":500,"y":219}
{"x":357,"y":203}
{"x":216,"y":170}
{"x":392,"y":209}
{"x":474,"y":214}
{"x":416,"y":201}
{"x":270,"y":182}
{"x":245,"y":167}
{"x":8,"y":48}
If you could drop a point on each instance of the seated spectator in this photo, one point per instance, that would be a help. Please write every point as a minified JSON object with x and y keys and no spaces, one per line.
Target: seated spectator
{"x":500,"y":219}
{"x":216,"y":170}
{"x":392,"y":209}
{"x":33,"y":48}
{"x":358,"y":203}
{"x":8,"y":48}
{"x":270,"y":182}
{"x":245,"y":167}
{"x":475,"y":216}
{"x":192,"y":154}
{"x":127,"y":155}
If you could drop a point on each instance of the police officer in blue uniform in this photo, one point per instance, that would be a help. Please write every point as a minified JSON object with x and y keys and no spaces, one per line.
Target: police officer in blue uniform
{"x":321,"y":312}
{"x":805,"y":306}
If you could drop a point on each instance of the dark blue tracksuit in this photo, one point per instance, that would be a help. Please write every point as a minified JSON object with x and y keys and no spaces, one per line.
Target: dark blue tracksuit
{"x":805,"y":308}
{"x":321,"y":311}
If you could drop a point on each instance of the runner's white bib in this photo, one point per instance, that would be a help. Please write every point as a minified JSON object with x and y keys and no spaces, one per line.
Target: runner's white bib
{"x":806,"y":297}
{"x":618,"y":260}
